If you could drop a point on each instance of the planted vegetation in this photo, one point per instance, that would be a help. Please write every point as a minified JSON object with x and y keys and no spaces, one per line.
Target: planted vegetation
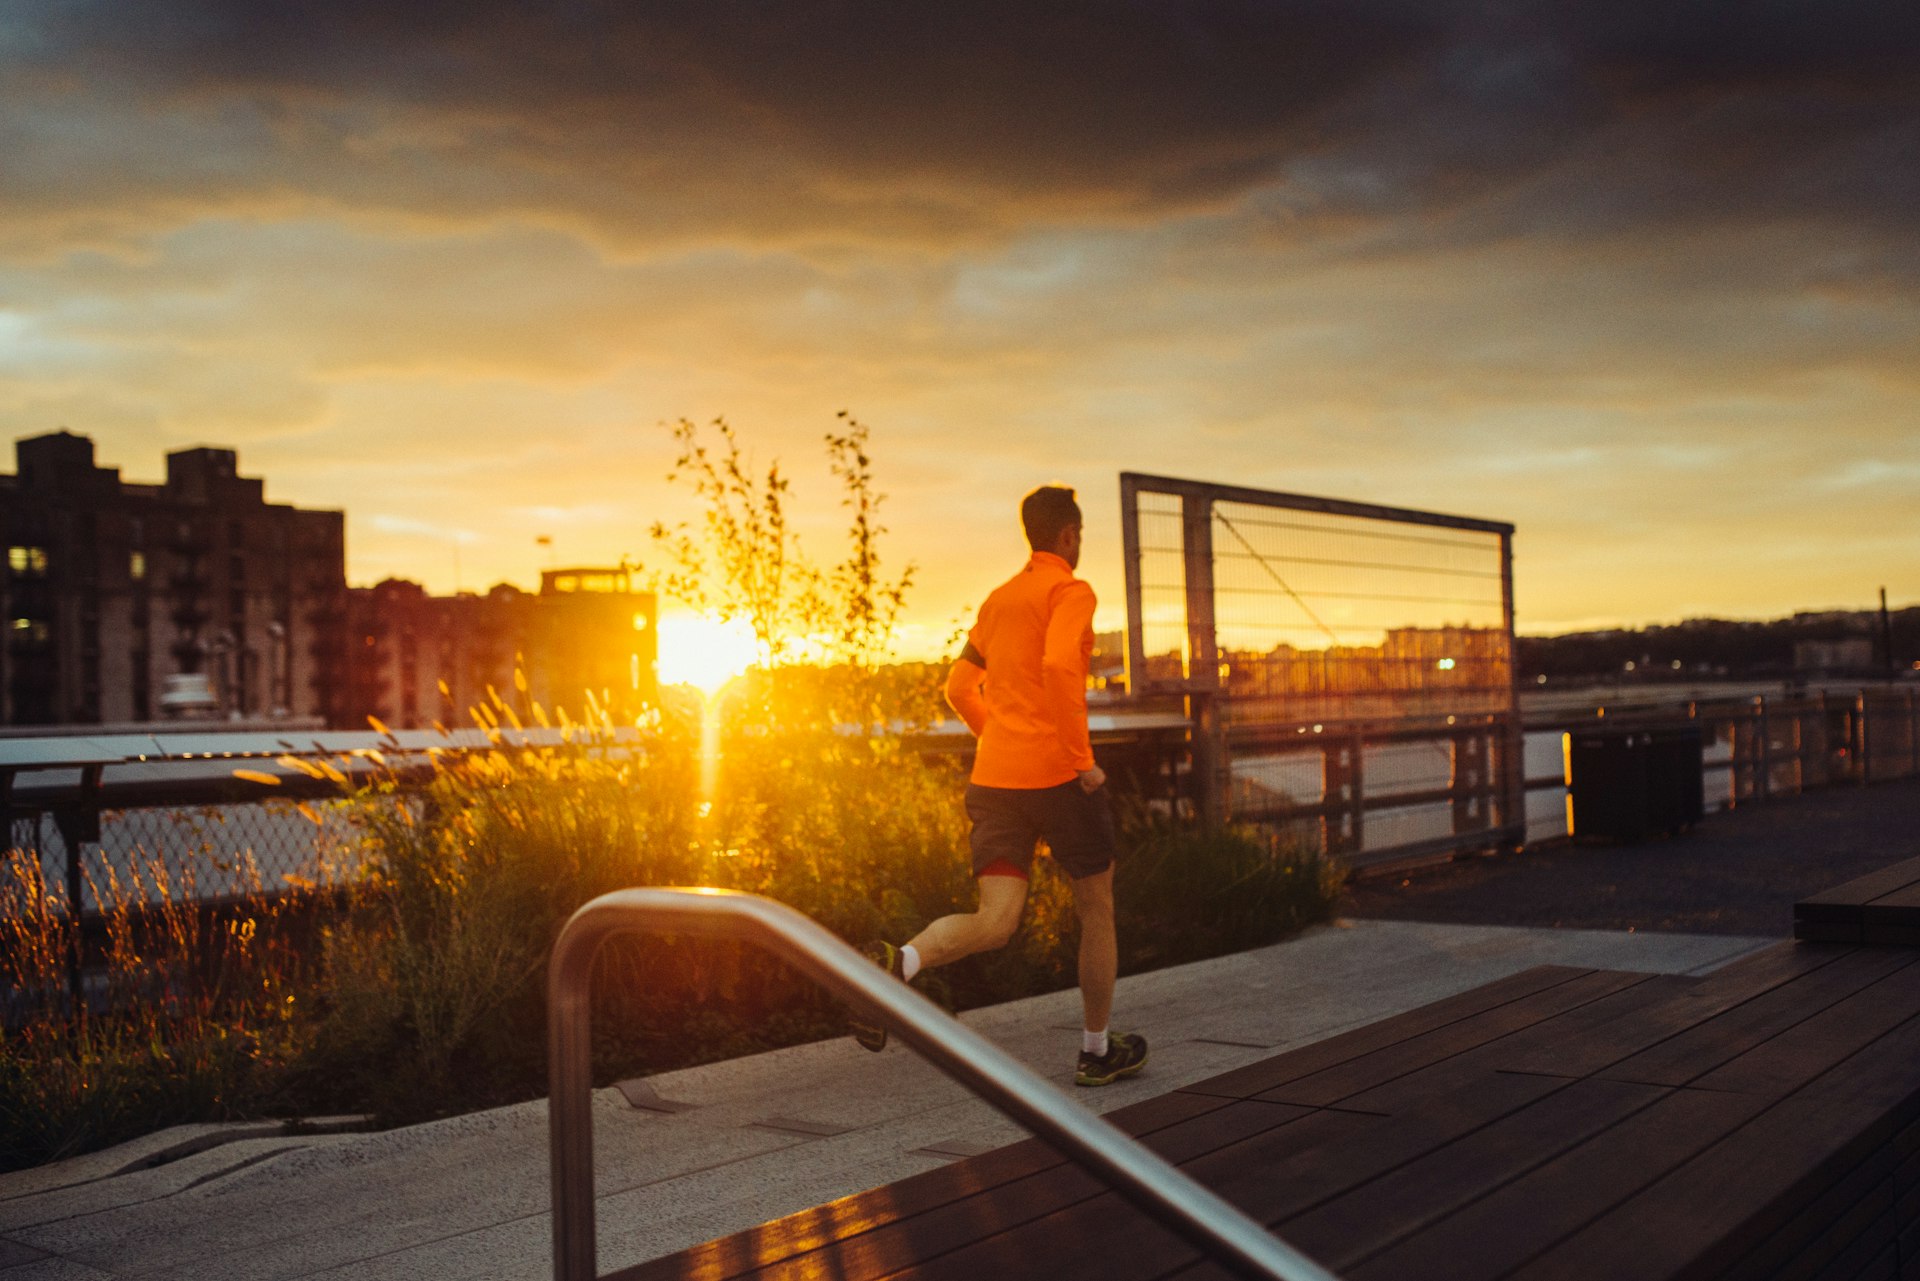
{"x":419,"y":990}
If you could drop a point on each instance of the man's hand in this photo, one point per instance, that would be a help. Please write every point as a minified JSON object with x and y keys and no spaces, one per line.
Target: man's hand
{"x":1092,"y":780}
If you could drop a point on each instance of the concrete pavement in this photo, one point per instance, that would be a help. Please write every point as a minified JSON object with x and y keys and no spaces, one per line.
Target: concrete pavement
{"x":687,"y":1156}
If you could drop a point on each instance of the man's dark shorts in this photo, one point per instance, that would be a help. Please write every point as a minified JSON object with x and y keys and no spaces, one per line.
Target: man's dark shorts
{"x":1076,"y":825}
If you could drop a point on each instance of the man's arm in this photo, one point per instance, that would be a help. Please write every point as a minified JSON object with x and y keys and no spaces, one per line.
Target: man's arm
{"x":1063,"y":668}
{"x":963,"y":688}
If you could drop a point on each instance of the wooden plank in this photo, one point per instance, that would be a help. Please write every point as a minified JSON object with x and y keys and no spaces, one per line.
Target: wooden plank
{"x":1245,"y":1082}
{"x":1757,"y":971}
{"x":1504,"y":1229}
{"x":1517,"y":1050}
{"x":1343,"y":1080}
{"x":1859,"y":1234}
{"x":1360,"y":1223}
{"x":1838,"y":903}
{"x":1694,"y":1051}
{"x":1130,"y":1244}
{"x":1871,"y":1235}
{"x":1271,"y":1177}
{"x":1712,"y":1211}
{"x":1797,"y":1244}
{"x":924,"y":1237}
{"x":1023,"y":1163}
{"x":1884,"y":1266}
{"x":1884,"y":1074}
{"x":1813,"y":1046}
{"x":1585,"y":1051}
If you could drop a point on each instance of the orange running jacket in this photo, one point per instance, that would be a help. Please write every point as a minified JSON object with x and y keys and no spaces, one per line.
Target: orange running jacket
{"x":1021,"y":684}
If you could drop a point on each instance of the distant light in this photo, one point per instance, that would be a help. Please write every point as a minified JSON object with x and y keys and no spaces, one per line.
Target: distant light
{"x":1541,"y":679}
{"x":1630,"y":664}
{"x":1676,"y":664}
{"x":639,"y":622}
{"x":1445,"y":664}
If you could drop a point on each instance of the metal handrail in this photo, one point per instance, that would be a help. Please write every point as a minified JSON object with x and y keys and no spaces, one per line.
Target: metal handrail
{"x":1191,"y":1210}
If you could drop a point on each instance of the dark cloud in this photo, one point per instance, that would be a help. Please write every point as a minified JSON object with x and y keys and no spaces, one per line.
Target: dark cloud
{"x":1023,"y":96}
{"x":761,"y":118}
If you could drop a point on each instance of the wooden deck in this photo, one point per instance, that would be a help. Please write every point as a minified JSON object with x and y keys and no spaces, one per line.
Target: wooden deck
{"x":1560,"y":1123}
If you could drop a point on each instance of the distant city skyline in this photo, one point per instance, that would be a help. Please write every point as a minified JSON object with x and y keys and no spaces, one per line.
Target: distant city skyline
{"x":1641,"y":280}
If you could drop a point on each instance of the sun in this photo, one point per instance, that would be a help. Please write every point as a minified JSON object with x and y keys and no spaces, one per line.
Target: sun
{"x":702,"y":651}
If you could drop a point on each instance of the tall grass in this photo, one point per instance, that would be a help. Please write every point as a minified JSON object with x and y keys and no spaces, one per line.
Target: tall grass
{"x":421,"y":993}
{"x":187,"y":1013}
{"x":434,"y":984}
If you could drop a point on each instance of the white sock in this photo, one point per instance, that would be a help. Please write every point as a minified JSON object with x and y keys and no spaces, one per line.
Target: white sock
{"x":909,"y":962}
{"x":1094,"y":1042}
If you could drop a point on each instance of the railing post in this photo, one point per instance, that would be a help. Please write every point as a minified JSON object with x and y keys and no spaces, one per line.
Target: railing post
{"x":79,"y":826}
{"x":1825,"y":721}
{"x":1864,"y":751}
{"x":1913,"y":733}
{"x":1212,"y":769}
{"x":1762,"y":750}
{"x":570,"y":1103}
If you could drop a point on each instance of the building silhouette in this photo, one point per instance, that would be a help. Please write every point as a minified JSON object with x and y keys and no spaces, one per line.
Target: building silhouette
{"x":128,"y":604}
{"x":119,"y":598}
{"x":415,"y":659}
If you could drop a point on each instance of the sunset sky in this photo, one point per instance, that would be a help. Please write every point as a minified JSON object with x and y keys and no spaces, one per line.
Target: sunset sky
{"x":1642,"y":278}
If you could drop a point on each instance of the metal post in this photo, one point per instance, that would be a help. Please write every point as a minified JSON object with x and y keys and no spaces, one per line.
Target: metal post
{"x":1469,"y":784}
{"x":1197,"y":1214}
{"x":1913,"y":741}
{"x":1203,"y":651}
{"x":1864,"y":749}
{"x":1513,"y":764}
{"x":1762,"y":750}
{"x":79,"y":826}
{"x":1826,"y":741}
{"x":1207,"y":767}
{"x":1211,"y":766}
{"x":1130,"y":563}
{"x":1357,"y":789}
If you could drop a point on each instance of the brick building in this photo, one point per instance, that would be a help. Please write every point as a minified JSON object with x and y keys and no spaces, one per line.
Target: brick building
{"x":113,"y":593}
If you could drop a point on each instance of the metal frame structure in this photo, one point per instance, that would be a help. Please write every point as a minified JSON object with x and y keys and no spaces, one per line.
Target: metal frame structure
{"x":1215,"y":1227}
{"x":1488,"y":796}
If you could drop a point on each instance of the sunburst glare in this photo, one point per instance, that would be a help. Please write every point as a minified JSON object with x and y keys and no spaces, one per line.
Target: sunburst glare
{"x":703,"y":651}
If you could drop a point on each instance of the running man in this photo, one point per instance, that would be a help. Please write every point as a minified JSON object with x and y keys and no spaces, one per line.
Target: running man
{"x":1021,"y":686}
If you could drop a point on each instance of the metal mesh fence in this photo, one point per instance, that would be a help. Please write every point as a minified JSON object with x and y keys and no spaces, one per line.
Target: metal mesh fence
{"x":1351,"y":667}
{"x":1334,"y":616}
{"x":177,"y":853}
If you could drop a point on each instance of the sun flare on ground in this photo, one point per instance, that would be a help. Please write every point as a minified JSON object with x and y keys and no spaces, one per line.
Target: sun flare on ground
{"x":702,"y":651}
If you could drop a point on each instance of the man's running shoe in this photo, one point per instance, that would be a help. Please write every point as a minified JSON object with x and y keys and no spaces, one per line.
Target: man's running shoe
{"x":1126,"y":1054}
{"x":872,"y":1035}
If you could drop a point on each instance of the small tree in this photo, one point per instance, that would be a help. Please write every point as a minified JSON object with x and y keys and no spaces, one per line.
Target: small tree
{"x":868,"y":604}
{"x":744,"y":560}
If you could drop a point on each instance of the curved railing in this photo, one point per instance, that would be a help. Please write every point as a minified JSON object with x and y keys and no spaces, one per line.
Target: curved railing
{"x":1137,"y":1173}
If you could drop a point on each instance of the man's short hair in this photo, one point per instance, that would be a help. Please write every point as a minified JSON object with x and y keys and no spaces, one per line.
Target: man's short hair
{"x":1046,"y":512}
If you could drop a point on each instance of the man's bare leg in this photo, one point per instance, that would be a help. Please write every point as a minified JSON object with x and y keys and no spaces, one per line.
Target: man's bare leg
{"x":1099,"y":947}
{"x":987,"y":927}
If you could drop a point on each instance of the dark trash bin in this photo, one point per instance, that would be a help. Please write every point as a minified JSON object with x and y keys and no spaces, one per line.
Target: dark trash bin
{"x":1629,"y":784}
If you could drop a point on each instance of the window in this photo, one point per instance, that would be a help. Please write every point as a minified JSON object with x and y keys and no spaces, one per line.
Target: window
{"x":27,"y":560}
{"x":137,"y":567}
{"x":29,"y":629}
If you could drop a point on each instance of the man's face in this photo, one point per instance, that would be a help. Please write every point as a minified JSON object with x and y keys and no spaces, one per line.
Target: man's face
{"x":1070,"y":546}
